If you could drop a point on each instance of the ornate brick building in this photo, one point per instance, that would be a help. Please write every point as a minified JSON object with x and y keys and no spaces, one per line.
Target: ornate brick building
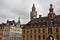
{"x":42,"y":28}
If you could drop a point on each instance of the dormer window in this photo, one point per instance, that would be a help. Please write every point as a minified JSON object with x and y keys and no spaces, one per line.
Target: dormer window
{"x":50,"y":23}
{"x":49,"y":30}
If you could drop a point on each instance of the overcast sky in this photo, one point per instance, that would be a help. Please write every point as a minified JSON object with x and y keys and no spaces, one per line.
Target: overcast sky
{"x":12,"y":9}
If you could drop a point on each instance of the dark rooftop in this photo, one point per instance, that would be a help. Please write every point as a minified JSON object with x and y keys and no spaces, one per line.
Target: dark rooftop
{"x":44,"y":21}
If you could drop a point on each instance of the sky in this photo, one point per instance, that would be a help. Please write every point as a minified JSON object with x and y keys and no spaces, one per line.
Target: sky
{"x":12,"y":9}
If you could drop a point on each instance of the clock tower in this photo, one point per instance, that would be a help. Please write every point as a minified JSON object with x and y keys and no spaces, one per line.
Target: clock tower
{"x":51,"y":14}
{"x":33,"y":13}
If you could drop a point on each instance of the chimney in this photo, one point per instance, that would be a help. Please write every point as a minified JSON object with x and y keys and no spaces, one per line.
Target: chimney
{"x":39,"y":16}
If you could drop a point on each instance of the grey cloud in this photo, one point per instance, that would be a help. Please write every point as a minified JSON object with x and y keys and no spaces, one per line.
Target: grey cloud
{"x":45,"y":4}
{"x":12,"y":9}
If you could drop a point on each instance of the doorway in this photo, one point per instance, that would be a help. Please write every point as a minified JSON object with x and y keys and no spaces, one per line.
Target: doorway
{"x":50,"y":37}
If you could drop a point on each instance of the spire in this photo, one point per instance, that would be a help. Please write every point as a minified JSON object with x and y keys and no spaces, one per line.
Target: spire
{"x":18,"y":19}
{"x":51,"y":12}
{"x":18,"y":23}
{"x":33,"y":7}
{"x":51,"y":8}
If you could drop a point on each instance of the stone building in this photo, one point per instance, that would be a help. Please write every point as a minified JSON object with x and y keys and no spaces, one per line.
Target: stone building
{"x":6,"y":33}
{"x":12,"y":30}
{"x":15,"y":33}
{"x":42,"y":28}
{"x":12,"y":33}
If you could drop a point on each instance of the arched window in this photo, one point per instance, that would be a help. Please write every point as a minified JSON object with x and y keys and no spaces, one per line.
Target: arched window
{"x":50,"y":37}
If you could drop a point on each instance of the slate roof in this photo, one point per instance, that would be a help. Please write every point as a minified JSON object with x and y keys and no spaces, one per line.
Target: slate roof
{"x":43,"y":20}
{"x":2,"y":25}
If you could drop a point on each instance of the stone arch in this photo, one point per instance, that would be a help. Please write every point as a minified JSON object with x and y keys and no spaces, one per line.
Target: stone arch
{"x":50,"y":37}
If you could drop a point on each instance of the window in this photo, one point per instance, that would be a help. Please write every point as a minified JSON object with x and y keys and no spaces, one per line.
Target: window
{"x":53,"y":23}
{"x":57,"y":37}
{"x":27,"y":37}
{"x":34,"y":30}
{"x":43,"y":30}
{"x":32,"y":24}
{"x":30,"y":30}
{"x":27,"y":31}
{"x":34,"y":37}
{"x":24,"y":37}
{"x":44,"y":23}
{"x":43,"y":37}
{"x":31,"y":37}
{"x":50,"y":23}
{"x":23,"y":31}
{"x":49,"y":30}
{"x":38,"y":30}
{"x":57,"y":30}
{"x":39,"y":37}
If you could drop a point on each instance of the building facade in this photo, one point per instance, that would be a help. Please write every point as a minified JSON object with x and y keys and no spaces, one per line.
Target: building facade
{"x":12,"y":33}
{"x":6,"y":33}
{"x":42,"y":28}
{"x":1,"y":33}
{"x":15,"y":33}
{"x":12,"y":30}
{"x":1,"y":30}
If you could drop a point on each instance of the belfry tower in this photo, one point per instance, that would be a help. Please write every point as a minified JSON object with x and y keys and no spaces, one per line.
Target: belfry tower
{"x":33,"y":13}
{"x":51,"y":14}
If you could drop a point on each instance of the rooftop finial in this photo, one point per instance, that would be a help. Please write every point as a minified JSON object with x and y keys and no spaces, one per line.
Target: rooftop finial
{"x":51,"y":8}
{"x":18,"y":23}
{"x":51,"y":12}
{"x":33,"y":8}
{"x":33,"y":5}
{"x":50,"y":5}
